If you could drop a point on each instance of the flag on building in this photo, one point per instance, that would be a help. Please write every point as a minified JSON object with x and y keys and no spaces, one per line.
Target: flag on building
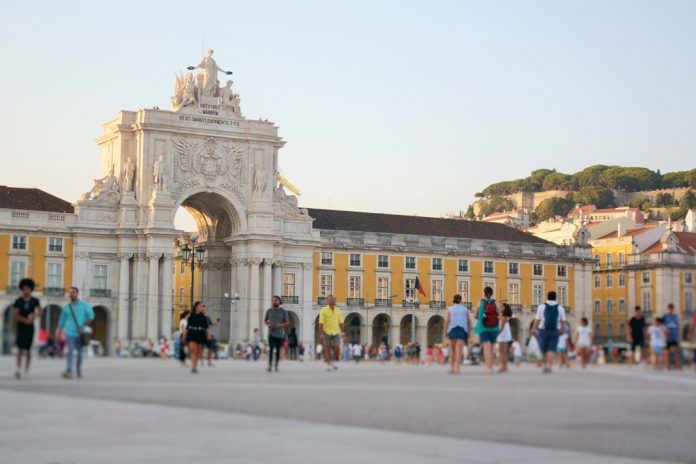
{"x":419,"y":286}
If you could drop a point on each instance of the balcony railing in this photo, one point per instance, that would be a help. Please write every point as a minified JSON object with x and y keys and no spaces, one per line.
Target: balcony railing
{"x":13,"y":290}
{"x":322,"y":301}
{"x":409,"y":304}
{"x":437,"y":304}
{"x":291,"y":299}
{"x":53,"y":291}
{"x":355,"y":302}
{"x":383,"y":302}
{"x":100,"y":293}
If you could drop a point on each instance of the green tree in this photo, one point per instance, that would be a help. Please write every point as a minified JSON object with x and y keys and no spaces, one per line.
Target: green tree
{"x":495,"y":204}
{"x":688,"y":201}
{"x":601,"y":197}
{"x":552,"y":207}
{"x":469,"y":212}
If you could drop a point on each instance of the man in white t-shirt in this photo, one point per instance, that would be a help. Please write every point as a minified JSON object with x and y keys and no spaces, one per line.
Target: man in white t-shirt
{"x":550,"y":321}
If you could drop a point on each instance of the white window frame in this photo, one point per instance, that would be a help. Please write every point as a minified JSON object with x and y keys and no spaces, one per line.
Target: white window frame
{"x":350,"y":260}
{"x":436,"y":264}
{"x":562,"y":295}
{"x":622,"y":259}
{"x":463,"y":290}
{"x":597,"y":307}
{"x":326,"y":258}
{"x":406,"y":261}
{"x":610,"y":306}
{"x":56,"y":243}
{"x":610,"y":281}
{"x":688,"y":300}
{"x":563,"y":274}
{"x":382,"y":288}
{"x":514,"y":293}
{"x":289,"y":284}
{"x":622,"y":280}
{"x":354,"y":287}
{"x":622,"y":306}
{"x":610,"y":261}
{"x":54,"y":280}
{"x":15,"y":275}
{"x":492,"y":265}
{"x":182,"y":295}
{"x":538,"y":294}
{"x":597,"y":281}
{"x":645,"y":277}
{"x":647,"y":302}
{"x":465,"y":267}
{"x":436,"y":290}
{"x":410,"y":289}
{"x":20,"y":242}
{"x":325,"y":285}
{"x":514,"y":267}
{"x":100,"y":282}
{"x":688,"y":277}
{"x":534,"y":270}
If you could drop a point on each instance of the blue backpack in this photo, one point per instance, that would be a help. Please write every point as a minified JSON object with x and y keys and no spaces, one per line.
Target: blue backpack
{"x":550,"y":317}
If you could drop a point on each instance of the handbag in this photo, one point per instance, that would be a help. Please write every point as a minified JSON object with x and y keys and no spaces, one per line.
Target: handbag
{"x":84,"y":338}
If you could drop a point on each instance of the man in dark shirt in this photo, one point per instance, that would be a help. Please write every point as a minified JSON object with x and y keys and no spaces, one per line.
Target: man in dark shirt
{"x":276,"y":320}
{"x":636,"y":334}
{"x":25,"y":310}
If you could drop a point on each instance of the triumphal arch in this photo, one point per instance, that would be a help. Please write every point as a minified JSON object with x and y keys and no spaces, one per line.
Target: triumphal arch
{"x":204,"y":155}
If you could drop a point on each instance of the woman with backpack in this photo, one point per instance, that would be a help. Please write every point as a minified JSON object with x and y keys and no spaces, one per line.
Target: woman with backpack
{"x":487,"y":320}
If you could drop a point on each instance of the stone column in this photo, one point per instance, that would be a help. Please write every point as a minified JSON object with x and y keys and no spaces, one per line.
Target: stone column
{"x":140,"y":297}
{"x":368,"y":328}
{"x":254,"y":300}
{"x":394,"y":333}
{"x":166,"y":299}
{"x":306,"y":315}
{"x":243,"y":306}
{"x":422,"y":335}
{"x":267,"y":292}
{"x":121,"y":311}
{"x":277,"y":277}
{"x":153,"y":292}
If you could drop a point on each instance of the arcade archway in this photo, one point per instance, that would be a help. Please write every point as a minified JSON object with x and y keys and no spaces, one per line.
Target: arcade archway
{"x":436,"y":330}
{"x":380,"y":329}
{"x":405,"y":329}
{"x":353,"y":323}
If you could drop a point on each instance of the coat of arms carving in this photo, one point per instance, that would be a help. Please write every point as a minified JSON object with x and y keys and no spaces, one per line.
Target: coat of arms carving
{"x":209,"y":163}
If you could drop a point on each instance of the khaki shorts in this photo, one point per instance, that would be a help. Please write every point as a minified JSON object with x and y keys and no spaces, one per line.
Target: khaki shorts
{"x":332,"y":340}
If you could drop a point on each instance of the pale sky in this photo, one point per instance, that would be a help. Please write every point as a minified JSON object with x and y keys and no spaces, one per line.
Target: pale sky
{"x":386,"y":106}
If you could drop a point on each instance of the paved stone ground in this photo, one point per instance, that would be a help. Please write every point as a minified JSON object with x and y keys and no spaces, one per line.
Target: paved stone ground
{"x":135,"y":410}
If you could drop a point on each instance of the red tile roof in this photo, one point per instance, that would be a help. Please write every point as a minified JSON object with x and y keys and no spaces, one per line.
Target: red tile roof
{"x":687,"y":241}
{"x":32,"y":199}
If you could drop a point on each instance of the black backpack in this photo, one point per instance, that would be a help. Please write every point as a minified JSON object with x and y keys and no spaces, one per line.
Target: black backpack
{"x":550,"y":317}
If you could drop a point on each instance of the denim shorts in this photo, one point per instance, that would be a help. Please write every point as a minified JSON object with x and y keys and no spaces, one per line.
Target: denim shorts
{"x":548,"y":340}
{"x":458,"y":333}
{"x":488,"y":336}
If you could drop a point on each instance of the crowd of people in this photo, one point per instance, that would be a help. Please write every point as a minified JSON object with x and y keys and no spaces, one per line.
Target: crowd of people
{"x":552,"y":340}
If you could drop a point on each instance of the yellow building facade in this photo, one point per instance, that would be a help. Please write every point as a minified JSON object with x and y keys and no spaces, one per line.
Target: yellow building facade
{"x":650,"y":267}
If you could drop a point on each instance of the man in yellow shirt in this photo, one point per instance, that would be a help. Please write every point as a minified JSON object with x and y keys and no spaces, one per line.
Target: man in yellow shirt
{"x":331,"y":330}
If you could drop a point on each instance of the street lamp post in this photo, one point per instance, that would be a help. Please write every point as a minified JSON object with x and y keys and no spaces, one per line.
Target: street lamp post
{"x":230,"y":339}
{"x":193,"y":254}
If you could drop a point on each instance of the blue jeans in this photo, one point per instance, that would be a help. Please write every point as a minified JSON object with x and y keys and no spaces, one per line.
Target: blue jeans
{"x":74,"y":344}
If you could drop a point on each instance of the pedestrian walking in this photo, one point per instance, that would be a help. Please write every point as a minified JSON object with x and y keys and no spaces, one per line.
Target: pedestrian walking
{"x":197,"y":334}
{"x":550,"y":320}
{"x":504,"y":337}
{"x":276,"y":320}
{"x":583,"y":341}
{"x":332,"y":331}
{"x":516,"y":353}
{"x":74,"y":320}
{"x":183,"y":323}
{"x":487,"y":325}
{"x":658,"y":340}
{"x":671,"y":323}
{"x":25,"y":310}
{"x":457,"y":323}
{"x":562,"y":349}
{"x":636,"y":332}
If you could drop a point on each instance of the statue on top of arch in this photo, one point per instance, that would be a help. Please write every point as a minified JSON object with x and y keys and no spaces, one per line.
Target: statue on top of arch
{"x":190,"y":90}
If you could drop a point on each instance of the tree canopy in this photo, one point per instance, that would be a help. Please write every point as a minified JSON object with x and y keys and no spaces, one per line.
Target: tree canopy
{"x":599,"y":176}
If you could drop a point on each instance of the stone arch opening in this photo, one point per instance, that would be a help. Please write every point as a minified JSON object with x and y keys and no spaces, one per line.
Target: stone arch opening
{"x":100,"y":330}
{"x":50,"y":317}
{"x":405,"y":326}
{"x":294,"y":320}
{"x":436,"y":330}
{"x":8,"y":330}
{"x":380,"y":329}
{"x":216,"y":216}
{"x":515,"y":329}
{"x":353,"y":323}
